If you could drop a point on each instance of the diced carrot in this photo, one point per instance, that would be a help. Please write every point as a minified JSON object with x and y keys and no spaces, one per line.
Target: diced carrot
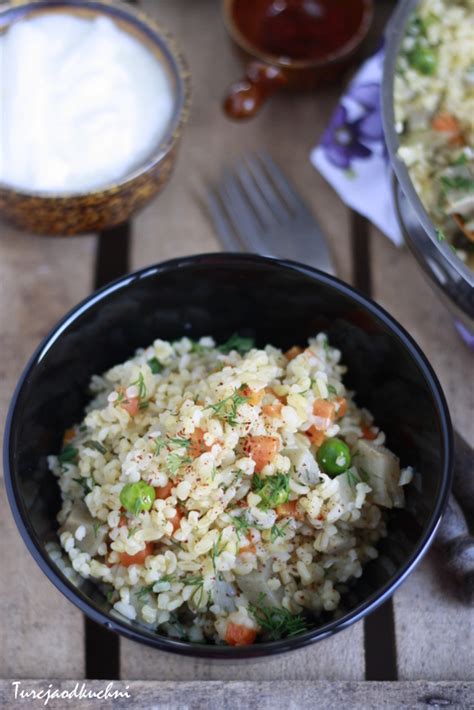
{"x":239,"y":635}
{"x":457,"y":140}
{"x":197,"y":446}
{"x":367,"y":433}
{"x":281,"y":399}
{"x":139,"y":558}
{"x":445,"y":122}
{"x":250,"y":547}
{"x":325,"y":411}
{"x":176,"y":520}
{"x":324,"y":408}
{"x":253,"y":396}
{"x":289,"y":509}
{"x":341,"y":406}
{"x":261,"y":449}
{"x":293,"y":352}
{"x":69,"y":435}
{"x":131,"y":405}
{"x":165,"y":491}
{"x":272,"y":410}
{"x":316,"y":436}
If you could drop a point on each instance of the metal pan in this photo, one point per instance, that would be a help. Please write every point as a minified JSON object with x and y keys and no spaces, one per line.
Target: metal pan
{"x":394,"y":35}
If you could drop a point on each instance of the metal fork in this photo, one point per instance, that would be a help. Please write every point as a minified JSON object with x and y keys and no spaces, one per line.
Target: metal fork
{"x":255,"y":208}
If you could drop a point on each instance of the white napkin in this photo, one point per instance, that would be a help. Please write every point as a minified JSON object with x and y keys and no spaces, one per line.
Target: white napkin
{"x":352,"y":155}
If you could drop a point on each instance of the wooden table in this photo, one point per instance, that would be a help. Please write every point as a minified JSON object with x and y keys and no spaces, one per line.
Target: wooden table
{"x":422,"y":637}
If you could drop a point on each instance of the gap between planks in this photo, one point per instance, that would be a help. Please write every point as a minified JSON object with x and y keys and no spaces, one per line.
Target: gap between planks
{"x":102,"y":647}
{"x":379,"y":627}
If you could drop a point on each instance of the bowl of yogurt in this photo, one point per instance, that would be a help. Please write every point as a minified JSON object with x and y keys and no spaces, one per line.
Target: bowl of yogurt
{"x":94,"y":97}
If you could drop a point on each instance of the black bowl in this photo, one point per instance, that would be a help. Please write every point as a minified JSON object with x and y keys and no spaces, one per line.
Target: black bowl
{"x":277,"y":302}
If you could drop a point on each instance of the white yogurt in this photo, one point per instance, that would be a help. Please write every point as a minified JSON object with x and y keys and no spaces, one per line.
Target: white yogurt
{"x":82,"y":103}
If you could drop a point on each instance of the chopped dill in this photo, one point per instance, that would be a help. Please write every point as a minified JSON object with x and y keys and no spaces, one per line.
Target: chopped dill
{"x":277,"y":531}
{"x":215,"y":552}
{"x":198,"y":582}
{"x":242,"y":525}
{"x":84,"y":482}
{"x":144,"y":592}
{"x":352,"y":479}
{"x":140,"y":383}
{"x":160,"y":443}
{"x":227,"y":408}
{"x":95,"y":445}
{"x":174,"y":461}
{"x":198,"y":348}
{"x":277,"y":622}
{"x":68,"y":455}
{"x":155,"y":365}
{"x":273,"y":490}
{"x":168,"y":578}
{"x":237,"y":342}
{"x":110,"y":595}
{"x":181,"y":442}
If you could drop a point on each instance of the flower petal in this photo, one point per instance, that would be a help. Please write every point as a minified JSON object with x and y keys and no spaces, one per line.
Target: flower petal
{"x":368,"y":95}
{"x":370,"y":126}
{"x":338,"y":155}
{"x":339,"y":117}
{"x":358,"y":150}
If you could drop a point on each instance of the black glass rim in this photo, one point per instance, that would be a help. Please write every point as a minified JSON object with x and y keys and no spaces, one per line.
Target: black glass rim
{"x":164,"y":643}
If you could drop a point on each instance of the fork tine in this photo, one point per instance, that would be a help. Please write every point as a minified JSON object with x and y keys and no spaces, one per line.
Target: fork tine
{"x":289,"y":194}
{"x":273,"y":199}
{"x":240,"y":212}
{"x":254,"y":194}
{"x":228,"y":238}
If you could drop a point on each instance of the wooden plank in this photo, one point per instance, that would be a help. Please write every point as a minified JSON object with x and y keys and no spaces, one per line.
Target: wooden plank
{"x":434,"y":631}
{"x":40,"y":279}
{"x":176,"y":224}
{"x":243,"y":696}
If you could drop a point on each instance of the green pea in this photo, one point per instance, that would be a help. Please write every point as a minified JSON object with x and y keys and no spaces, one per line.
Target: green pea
{"x":274,"y":498}
{"x":334,"y":457}
{"x":423,"y":60}
{"x":273,"y":490}
{"x":136,"y":497}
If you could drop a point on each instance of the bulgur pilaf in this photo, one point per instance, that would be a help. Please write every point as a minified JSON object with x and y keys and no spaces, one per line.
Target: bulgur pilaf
{"x":225,"y":493}
{"x":434,"y":113}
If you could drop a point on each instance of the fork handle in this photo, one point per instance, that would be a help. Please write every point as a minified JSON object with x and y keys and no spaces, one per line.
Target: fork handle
{"x":246,"y":97}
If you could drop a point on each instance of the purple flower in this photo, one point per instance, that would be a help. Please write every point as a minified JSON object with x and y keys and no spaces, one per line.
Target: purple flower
{"x":368,"y":97}
{"x":341,"y":142}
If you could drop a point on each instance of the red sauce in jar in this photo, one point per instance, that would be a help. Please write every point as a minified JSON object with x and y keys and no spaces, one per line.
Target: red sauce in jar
{"x":299,"y":29}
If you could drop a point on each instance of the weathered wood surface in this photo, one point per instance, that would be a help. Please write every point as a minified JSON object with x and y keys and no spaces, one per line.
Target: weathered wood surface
{"x":218,"y":695}
{"x":41,"y":633}
{"x":434,"y":631}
